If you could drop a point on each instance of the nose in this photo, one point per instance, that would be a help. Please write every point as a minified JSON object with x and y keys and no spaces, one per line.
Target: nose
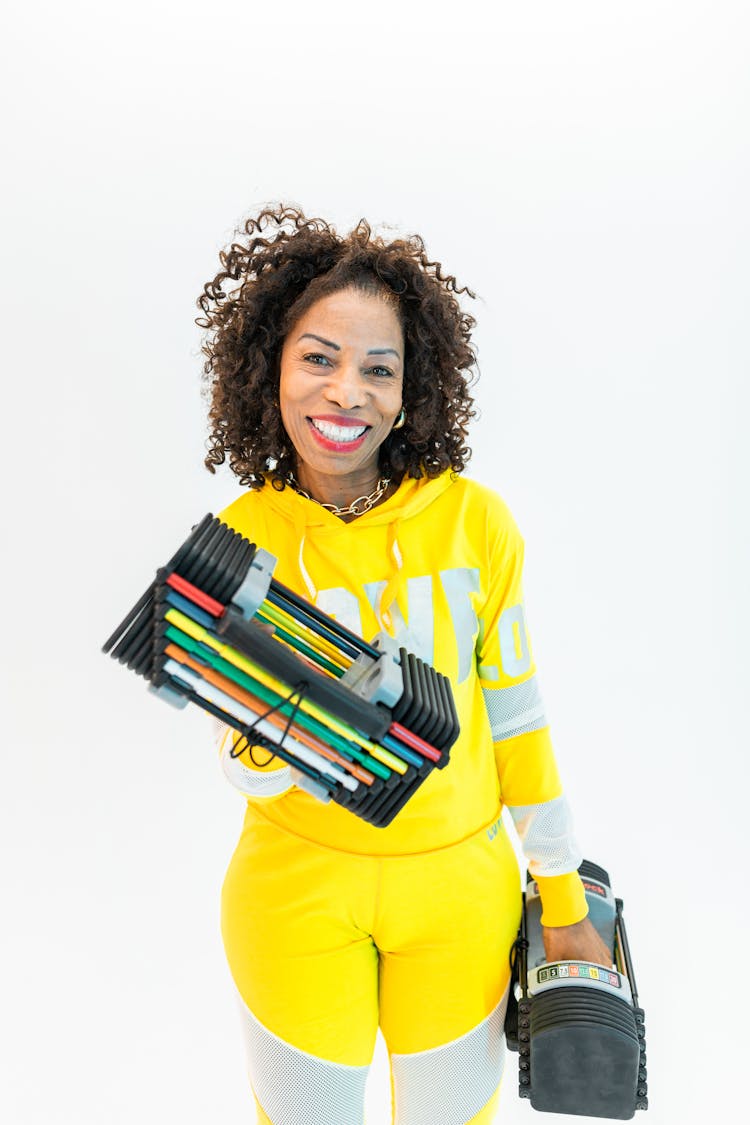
{"x":346,"y":387}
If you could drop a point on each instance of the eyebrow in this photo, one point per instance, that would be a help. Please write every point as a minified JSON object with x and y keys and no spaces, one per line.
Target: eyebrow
{"x":384,"y":351}
{"x":337,"y":348}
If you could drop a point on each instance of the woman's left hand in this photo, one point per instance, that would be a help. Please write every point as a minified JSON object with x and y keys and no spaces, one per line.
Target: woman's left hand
{"x":579,"y":942}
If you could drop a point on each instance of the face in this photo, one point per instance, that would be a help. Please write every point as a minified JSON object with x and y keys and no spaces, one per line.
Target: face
{"x":342,"y":370}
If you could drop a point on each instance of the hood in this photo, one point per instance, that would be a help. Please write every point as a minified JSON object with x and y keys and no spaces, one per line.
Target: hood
{"x":410,"y":498}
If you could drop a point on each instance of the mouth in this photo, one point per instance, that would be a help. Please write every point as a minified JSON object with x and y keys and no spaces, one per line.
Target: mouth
{"x":343,"y":436}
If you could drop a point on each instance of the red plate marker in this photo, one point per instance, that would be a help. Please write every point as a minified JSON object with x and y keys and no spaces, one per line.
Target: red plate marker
{"x":188,"y":590}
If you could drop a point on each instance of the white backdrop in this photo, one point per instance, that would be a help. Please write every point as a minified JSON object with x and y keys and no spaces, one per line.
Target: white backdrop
{"x":584,"y":167}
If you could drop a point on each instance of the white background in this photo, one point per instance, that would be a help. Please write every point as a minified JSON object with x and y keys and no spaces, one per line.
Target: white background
{"x":584,"y":167}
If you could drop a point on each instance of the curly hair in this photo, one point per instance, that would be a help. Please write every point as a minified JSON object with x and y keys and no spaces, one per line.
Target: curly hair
{"x":278,"y":278}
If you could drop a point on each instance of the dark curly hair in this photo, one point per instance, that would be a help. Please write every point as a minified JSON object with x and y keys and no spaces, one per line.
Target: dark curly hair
{"x":278,"y":278}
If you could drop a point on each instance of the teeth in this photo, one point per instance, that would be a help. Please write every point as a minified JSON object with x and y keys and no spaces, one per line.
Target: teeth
{"x":338,"y":433}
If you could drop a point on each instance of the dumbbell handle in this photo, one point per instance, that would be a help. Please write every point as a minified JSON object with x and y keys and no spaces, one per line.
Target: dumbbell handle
{"x":622,"y":942}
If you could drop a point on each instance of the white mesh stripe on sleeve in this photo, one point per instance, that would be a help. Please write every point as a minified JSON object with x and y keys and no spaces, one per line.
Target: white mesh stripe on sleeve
{"x":546,"y":834}
{"x":514,"y":710}
{"x":253,"y":783}
{"x":220,"y":731}
{"x":453,"y":1082}
{"x":296,"y":1088}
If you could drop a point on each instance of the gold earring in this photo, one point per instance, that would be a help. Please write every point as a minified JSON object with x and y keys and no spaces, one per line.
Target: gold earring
{"x":400,"y":420}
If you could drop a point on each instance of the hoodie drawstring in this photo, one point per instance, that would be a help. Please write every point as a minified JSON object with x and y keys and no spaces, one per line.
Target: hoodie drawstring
{"x":311,"y":588}
{"x":390,"y":590}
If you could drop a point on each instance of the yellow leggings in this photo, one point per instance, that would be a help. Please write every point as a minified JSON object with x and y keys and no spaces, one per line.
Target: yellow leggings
{"x":324,"y":946}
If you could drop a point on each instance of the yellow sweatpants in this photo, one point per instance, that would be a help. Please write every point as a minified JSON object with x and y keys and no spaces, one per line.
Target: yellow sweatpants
{"x":325,"y":945}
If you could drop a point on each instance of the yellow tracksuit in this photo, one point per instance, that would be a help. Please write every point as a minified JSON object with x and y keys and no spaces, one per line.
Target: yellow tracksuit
{"x":332,"y":926}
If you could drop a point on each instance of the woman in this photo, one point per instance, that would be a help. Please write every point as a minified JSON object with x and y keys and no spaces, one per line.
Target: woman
{"x":338,"y":369}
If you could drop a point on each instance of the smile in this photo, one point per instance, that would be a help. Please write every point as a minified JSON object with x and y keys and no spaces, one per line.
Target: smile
{"x":337,"y":437}
{"x":333,"y":432}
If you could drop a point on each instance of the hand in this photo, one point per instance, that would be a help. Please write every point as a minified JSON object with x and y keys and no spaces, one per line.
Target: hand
{"x":579,"y":942}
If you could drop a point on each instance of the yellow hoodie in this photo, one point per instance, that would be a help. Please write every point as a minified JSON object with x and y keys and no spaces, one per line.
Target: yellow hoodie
{"x":439,"y":566}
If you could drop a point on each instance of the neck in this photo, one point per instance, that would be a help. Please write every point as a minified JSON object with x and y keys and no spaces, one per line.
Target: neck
{"x":337,"y":490}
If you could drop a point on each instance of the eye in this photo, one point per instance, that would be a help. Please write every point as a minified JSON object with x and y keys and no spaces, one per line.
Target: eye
{"x":316,"y":359}
{"x":381,"y":372}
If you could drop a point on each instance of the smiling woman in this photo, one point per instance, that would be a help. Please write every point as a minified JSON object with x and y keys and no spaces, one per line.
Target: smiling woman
{"x":338,"y":369}
{"x":259,"y":307}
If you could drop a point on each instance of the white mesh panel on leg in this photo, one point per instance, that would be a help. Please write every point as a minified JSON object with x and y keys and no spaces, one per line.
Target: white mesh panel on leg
{"x":450,"y":1084}
{"x":546,"y":834}
{"x":296,"y":1088}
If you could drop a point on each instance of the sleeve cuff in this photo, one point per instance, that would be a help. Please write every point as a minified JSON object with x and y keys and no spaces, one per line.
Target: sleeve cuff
{"x":563,"y":899}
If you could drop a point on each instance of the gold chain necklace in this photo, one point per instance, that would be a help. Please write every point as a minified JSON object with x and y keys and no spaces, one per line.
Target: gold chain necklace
{"x":357,"y":507}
